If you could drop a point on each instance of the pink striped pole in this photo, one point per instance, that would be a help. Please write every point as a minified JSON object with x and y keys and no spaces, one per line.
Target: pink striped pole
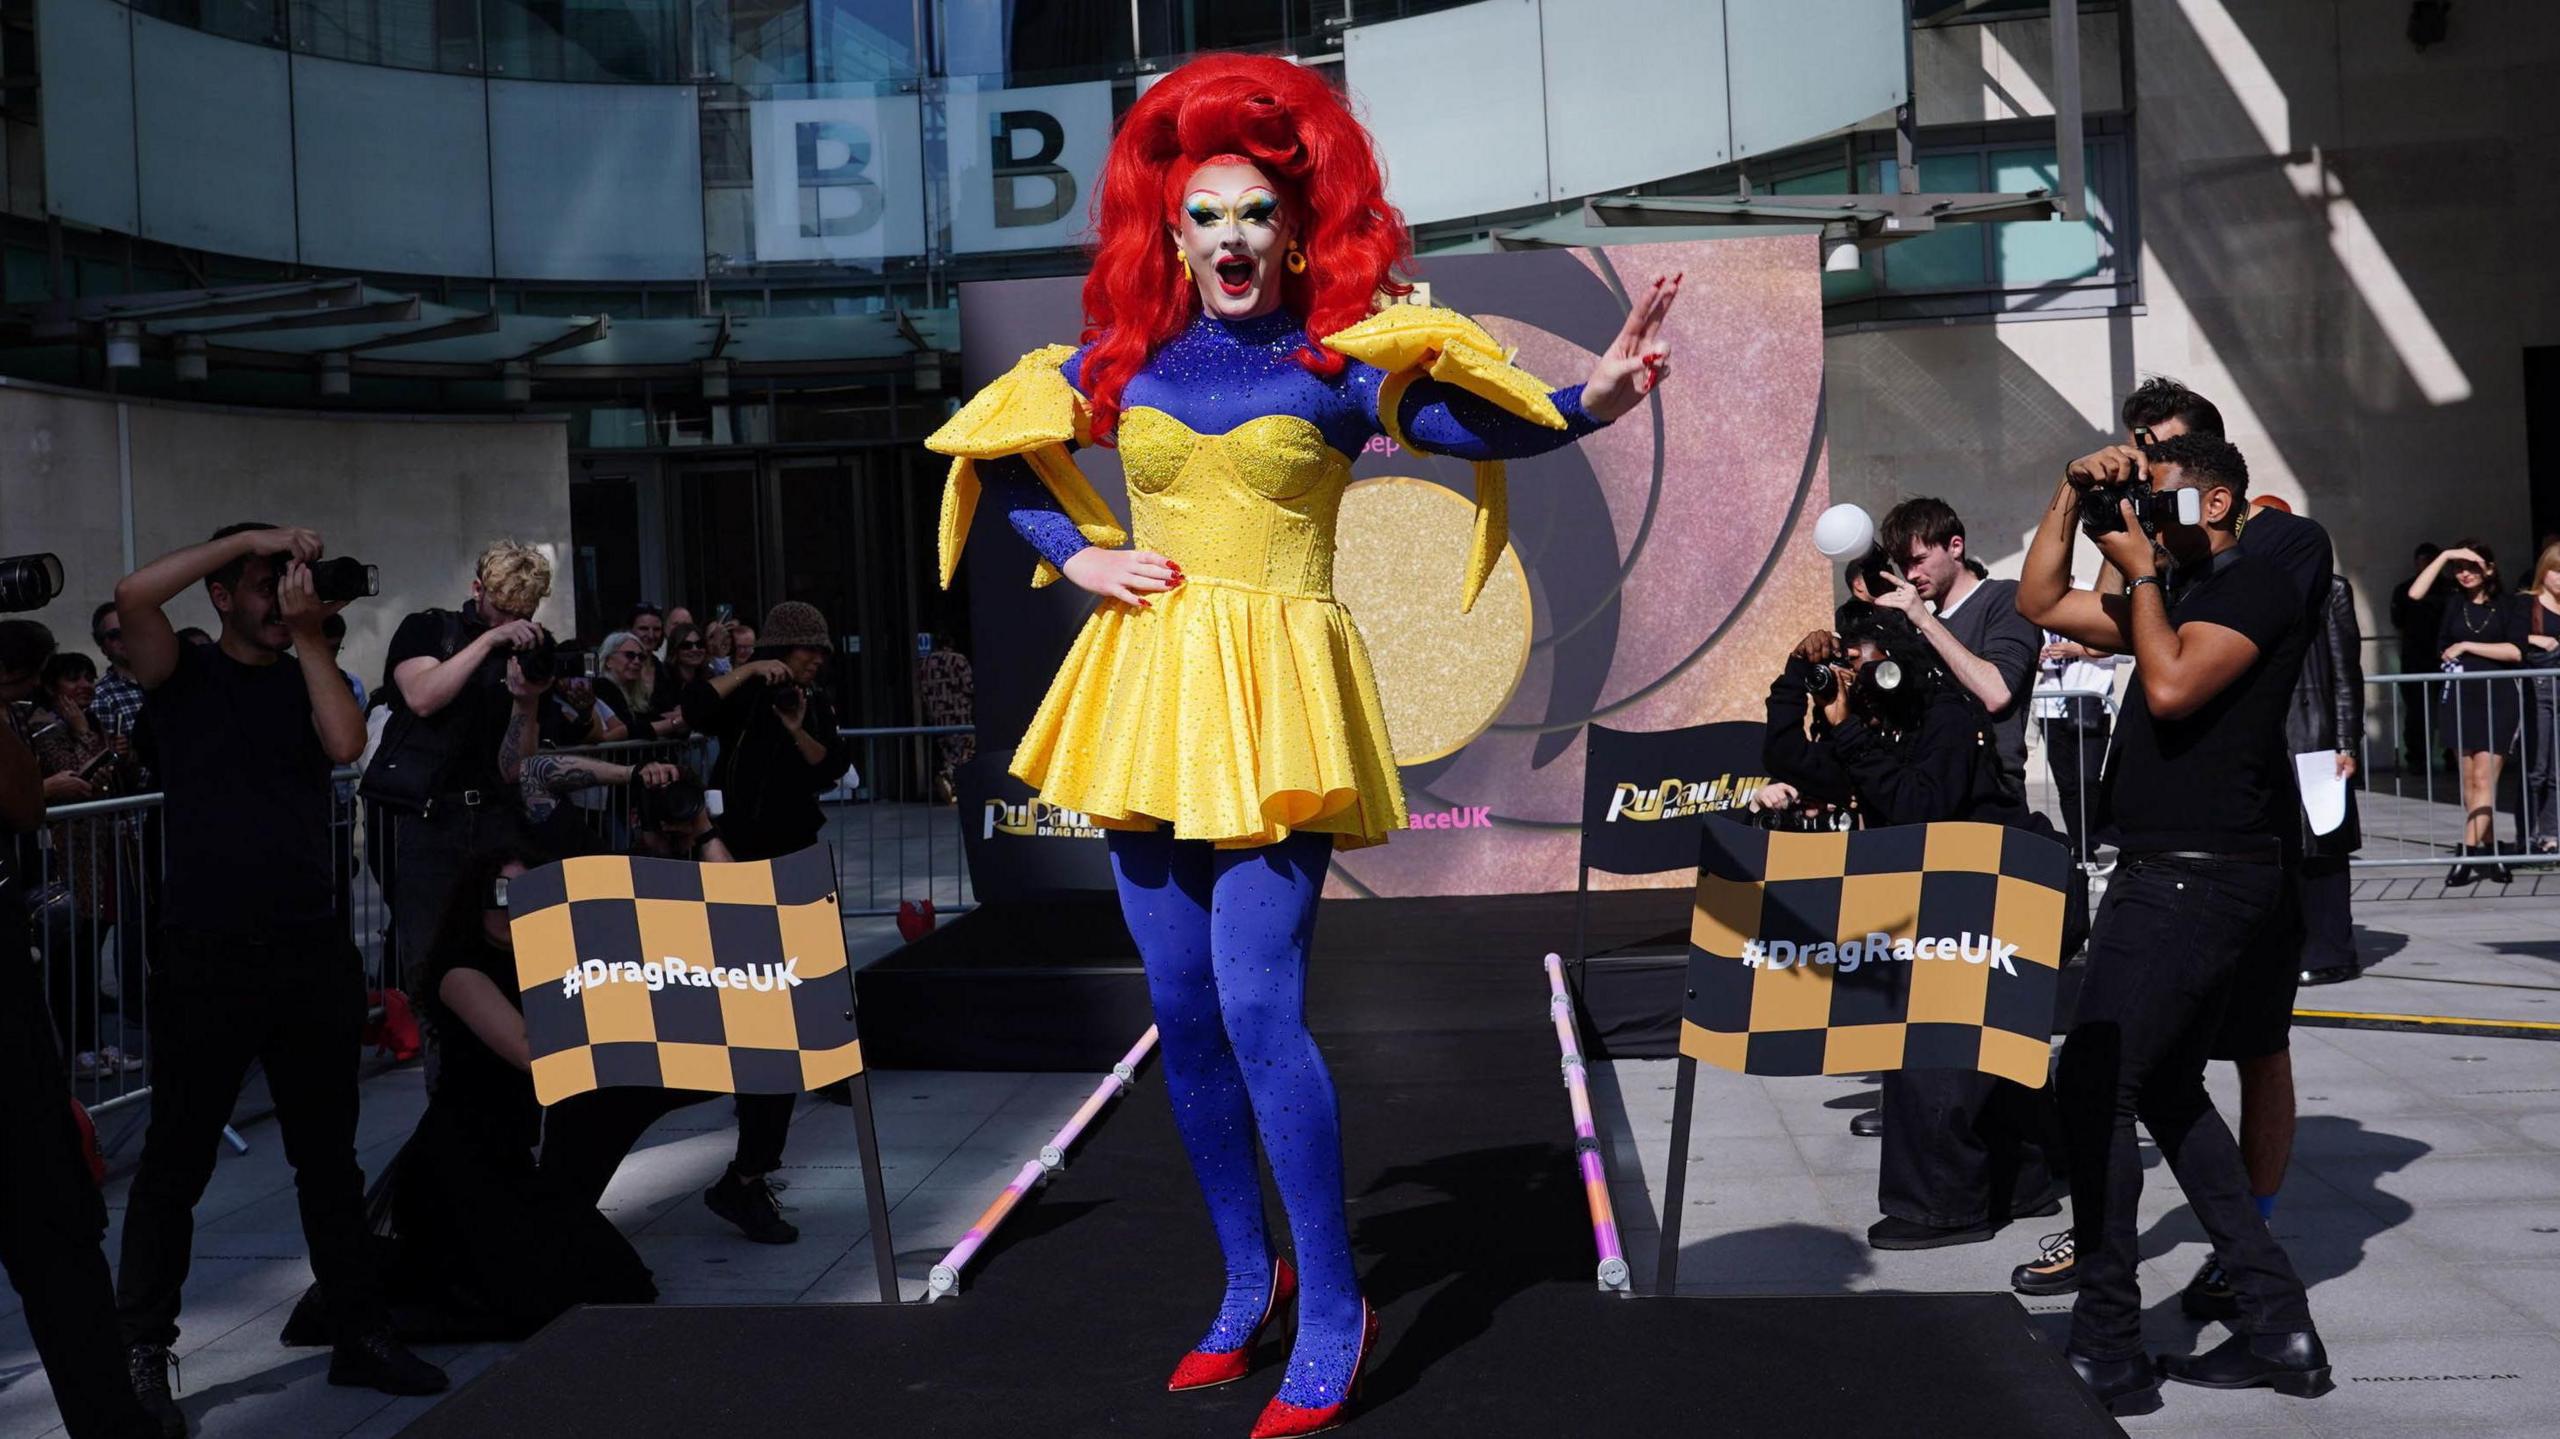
{"x":1613,"y":1273}
{"x":945,"y":1278}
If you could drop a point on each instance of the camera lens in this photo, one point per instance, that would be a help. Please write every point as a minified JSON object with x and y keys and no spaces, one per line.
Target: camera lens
{"x":29,"y":582}
{"x":344,"y":577}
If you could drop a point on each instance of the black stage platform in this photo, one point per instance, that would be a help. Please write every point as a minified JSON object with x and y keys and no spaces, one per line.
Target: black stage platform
{"x":1473,"y":1238}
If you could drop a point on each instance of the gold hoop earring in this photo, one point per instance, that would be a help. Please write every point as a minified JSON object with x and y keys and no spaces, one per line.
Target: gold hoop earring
{"x":1297,"y":260}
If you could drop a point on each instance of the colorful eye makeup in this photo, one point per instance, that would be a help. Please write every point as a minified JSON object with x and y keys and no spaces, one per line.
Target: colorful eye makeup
{"x":1256,"y":206}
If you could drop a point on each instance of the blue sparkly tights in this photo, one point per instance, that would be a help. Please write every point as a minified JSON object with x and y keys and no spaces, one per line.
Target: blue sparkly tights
{"x":1224,"y":937}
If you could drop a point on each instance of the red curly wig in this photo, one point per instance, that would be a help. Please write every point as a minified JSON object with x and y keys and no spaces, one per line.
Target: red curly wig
{"x":1292,"y":126}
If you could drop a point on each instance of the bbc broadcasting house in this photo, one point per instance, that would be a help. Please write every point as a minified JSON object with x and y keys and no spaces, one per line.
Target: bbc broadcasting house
{"x":674,"y":287}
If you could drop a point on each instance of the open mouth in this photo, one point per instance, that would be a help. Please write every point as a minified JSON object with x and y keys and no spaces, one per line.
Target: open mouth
{"x":1235,"y":275}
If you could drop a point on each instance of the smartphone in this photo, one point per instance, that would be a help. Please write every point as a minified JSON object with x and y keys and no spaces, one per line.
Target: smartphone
{"x":722,"y":614}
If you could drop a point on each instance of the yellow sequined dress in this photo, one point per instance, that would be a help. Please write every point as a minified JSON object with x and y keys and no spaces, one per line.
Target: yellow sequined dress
{"x":1239,"y":706}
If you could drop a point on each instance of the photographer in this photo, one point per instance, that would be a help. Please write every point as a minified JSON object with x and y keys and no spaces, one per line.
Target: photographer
{"x":53,"y":1221}
{"x":451,"y":709}
{"x":779,"y":749}
{"x":253,"y":963}
{"x":1964,"y":1152}
{"x":2198,"y":790}
{"x":1971,"y":623}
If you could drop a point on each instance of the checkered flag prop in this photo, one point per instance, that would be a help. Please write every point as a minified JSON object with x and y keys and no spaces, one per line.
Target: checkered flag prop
{"x":1917,"y":947}
{"x":726,"y":977}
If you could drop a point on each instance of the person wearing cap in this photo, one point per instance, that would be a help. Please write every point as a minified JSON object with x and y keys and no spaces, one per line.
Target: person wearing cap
{"x":779,"y":751}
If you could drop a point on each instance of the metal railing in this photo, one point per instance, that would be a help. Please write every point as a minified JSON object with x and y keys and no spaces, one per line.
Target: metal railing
{"x":898,"y":840}
{"x":2412,"y":787}
{"x":2063,"y":764}
{"x":92,"y":880}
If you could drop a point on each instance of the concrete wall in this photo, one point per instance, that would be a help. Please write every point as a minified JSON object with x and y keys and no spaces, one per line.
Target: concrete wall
{"x":2343,"y":244}
{"x":416,"y":497}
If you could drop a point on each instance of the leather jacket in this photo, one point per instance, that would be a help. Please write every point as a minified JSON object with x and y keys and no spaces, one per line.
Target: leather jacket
{"x":2328,"y":706}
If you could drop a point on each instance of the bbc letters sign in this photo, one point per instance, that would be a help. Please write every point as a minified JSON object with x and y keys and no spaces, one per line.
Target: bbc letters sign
{"x":1024,"y":164}
{"x":838,"y":179}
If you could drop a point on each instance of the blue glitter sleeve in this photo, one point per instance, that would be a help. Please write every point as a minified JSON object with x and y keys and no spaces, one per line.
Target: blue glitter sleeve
{"x":1017,"y":494}
{"x":1447,"y":420}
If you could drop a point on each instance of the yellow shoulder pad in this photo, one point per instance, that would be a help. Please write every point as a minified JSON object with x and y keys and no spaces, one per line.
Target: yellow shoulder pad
{"x":1030,"y":411}
{"x":1027,"y":406}
{"x":1451,"y":348}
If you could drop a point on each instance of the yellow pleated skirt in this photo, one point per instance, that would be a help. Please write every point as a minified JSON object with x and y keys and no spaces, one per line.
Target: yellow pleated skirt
{"x":1235,"y":714}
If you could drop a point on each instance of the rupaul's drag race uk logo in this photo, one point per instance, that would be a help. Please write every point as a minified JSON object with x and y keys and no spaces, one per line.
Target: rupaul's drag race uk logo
{"x":1037,"y":819}
{"x":1678,"y":799}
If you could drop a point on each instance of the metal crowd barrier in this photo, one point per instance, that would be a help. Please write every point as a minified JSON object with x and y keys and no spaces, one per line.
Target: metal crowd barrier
{"x":895,"y":837}
{"x":2063,"y":764}
{"x":2410,"y":784}
{"x":93,"y":882}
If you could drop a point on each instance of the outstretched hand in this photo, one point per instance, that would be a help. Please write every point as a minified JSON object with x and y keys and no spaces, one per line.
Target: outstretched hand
{"x":1637,"y":361}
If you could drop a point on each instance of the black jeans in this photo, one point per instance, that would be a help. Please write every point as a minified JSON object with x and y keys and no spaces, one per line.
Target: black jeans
{"x":2169,"y":940}
{"x":53,"y":1223}
{"x":430,"y":855}
{"x":1962,"y":1149}
{"x":294,"y":1003}
{"x":586,"y":1137}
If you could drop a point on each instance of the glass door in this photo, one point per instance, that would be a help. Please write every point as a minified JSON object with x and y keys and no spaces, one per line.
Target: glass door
{"x":717,"y":546}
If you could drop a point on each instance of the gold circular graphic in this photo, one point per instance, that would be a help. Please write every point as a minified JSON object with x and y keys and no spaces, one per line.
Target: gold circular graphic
{"x":1400,"y":560}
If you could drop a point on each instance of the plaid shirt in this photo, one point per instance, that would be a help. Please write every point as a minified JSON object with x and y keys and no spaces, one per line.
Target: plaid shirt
{"x":117,"y":704}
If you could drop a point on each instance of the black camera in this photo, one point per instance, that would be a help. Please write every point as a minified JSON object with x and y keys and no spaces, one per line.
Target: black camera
{"x":29,"y":582}
{"x":674,"y":803}
{"x":548,"y":659}
{"x":2102,"y":513}
{"x":344,"y":578}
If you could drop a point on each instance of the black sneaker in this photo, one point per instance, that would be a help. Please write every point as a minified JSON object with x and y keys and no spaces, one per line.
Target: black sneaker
{"x":2056,"y":1269}
{"x":749,"y":1204}
{"x":2208,"y":1295}
{"x":150,"y":1367}
{"x":1867,"y":1124}
{"x":378,"y":1361}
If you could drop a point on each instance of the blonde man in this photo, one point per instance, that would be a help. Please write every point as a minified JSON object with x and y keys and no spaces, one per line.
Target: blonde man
{"x":449,"y":761}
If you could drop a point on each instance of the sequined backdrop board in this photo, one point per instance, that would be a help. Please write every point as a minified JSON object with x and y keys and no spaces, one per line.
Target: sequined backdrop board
{"x":1658,"y":576}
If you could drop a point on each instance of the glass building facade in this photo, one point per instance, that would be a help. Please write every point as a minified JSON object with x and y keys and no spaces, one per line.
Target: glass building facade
{"x":674,"y":162}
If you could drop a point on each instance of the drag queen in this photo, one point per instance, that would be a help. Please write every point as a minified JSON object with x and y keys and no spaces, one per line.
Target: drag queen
{"x":1217,"y":713}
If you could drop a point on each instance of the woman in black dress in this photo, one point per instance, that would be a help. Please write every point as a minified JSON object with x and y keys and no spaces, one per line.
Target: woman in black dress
{"x":2478,"y":718}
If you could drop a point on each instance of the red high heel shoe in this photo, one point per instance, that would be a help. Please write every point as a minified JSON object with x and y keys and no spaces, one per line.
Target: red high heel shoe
{"x":1284,"y":1420}
{"x":1200,"y":1369}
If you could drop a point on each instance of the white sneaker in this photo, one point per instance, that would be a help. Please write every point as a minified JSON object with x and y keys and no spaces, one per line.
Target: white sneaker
{"x":86,"y":1065}
{"x":116,"y":1061}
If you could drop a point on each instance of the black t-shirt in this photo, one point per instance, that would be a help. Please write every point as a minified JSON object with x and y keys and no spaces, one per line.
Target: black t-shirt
{"x":487,"y":1092}
{"x":2218,"y":780}
{"x":476,"y":719}
{"x":2299,"y":548}
{"x":610,"y":692}
{"x":2526,"y":617}
{"x":249,"y":804}
{"x":1987,"y":623}
{"x":769,"y":790}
